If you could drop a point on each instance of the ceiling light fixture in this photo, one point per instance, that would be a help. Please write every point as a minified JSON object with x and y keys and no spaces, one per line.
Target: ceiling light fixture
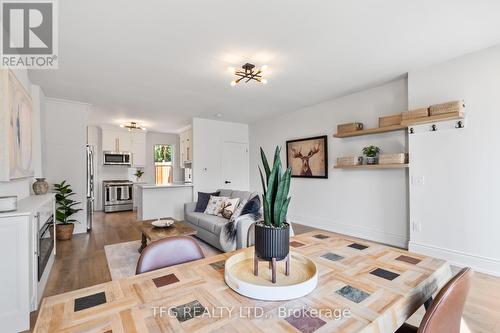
{"x":249,"y":73}
{"x":133,"y":126}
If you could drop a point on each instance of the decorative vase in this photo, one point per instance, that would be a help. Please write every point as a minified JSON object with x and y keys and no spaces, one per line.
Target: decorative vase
{"x":40,"y":186}
{"x":371,"y":160}
{"x":272,"y":242}
{"x":64,"y":231}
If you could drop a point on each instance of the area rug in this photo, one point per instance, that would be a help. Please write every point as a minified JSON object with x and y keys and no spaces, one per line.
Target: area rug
{"x":122,"y":257}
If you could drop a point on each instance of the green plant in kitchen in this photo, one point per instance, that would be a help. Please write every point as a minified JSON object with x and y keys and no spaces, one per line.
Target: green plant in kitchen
{"x":139,"y":173}
{"x":371,"y":153}
{"x":65,"y":209}
{"x":275,"y":185}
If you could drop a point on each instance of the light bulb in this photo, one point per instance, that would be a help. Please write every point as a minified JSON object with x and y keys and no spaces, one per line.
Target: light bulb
{"x":264,"y":68}
{"x":122,"y":126}
{"x":231,"y":69}
{"x":233,"y":83}
{"x":263,"y":81}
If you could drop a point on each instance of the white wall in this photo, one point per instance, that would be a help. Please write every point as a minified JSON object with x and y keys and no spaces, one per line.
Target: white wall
{"x":64,"y":139}
{"x":370,"y":204}
{"x":208,"y":138}
{"x":457,"y":206}
{"x":155,"y":138}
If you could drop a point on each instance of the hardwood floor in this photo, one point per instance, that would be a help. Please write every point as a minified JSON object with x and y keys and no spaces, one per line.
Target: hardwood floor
{"x":81,"y":263}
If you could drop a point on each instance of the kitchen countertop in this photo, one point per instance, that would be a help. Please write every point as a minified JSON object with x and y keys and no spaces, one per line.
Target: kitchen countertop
{"x":171,"y":185}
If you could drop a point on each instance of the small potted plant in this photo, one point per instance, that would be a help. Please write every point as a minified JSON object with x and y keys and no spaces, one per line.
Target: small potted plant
{"x":371,"y":153}
{"x":138,"y":174}
{"x":65,"y":208}
{"x":272,"y":234}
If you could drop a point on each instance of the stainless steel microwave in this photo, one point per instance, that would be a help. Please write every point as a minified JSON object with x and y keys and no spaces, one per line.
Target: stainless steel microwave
{"x":117,"y":158}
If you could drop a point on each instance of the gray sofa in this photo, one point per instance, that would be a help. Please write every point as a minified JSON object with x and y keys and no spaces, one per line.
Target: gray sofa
{"x":210,"y":227}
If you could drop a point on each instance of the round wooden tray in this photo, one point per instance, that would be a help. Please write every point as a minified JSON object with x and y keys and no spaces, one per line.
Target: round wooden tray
{"x":239,"y":276}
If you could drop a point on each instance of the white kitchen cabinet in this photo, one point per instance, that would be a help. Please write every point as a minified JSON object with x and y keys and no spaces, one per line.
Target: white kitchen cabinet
{"x":138,"y":148}
{"x":186,"y":146}
{"x":126,"y":141}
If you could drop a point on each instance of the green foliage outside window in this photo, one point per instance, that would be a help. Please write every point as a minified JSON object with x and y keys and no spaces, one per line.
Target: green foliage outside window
{"x":163,"y":153}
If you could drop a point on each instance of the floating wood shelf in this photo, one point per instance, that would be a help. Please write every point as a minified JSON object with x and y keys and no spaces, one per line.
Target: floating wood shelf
{"x":431,"y":119}
{"x":369,"y":131}
{"x":404,"y":125}
{"x":373,"y":166}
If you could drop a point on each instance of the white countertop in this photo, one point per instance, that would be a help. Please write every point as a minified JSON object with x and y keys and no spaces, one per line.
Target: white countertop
{"x":29,"y":204}
{"x":171,"y":185}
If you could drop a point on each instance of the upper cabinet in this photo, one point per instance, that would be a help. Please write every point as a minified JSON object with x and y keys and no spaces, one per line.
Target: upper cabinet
{"x":186,"y":146}
{"x":125,"y":141}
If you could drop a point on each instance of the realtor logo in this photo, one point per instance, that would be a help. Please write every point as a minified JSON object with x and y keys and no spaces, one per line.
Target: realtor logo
{"x":29,"y":34}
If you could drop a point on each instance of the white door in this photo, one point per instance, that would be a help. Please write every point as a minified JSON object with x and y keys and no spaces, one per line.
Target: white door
{"x":235,"y":166}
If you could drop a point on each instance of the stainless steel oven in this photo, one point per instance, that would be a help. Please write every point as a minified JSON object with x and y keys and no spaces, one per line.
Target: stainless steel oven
{"x":117,"y":158}
{"x":118,"y":195}
{"x":45,"y":244}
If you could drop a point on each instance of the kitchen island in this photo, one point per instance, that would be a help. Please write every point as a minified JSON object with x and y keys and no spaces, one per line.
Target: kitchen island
{"x":167,"y":200}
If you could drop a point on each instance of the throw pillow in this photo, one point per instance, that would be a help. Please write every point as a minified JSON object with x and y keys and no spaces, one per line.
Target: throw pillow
{"x":252,"y":206}
{"x":229,"y":208}
{"x":237,"y":211}
{"x":202,"y":203}
{"x":215,"y":205}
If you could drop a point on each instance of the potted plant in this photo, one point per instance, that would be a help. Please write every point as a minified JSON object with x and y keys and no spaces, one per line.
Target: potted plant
{"x":138,"y":173}
{"x":65,"y":208}
{"x":371,"y":153}
{"x":272,"y":234}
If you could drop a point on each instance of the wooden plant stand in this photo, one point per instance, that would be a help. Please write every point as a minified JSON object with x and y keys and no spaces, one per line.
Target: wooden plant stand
{"x":272,"y":265}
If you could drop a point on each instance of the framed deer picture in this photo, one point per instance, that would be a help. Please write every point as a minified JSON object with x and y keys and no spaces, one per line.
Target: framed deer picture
{"x":308,"y":158}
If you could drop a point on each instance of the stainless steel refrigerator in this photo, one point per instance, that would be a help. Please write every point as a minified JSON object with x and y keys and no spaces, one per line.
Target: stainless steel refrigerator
{"x":90,"y":186}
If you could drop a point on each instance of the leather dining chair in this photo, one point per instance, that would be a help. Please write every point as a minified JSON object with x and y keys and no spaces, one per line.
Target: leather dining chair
{"x":168,"y":252}
{"x":445,"y":311}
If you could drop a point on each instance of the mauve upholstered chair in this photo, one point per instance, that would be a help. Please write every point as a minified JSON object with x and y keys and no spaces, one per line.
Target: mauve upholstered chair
{"x":445,"y":312}
{"x":168,"y":252}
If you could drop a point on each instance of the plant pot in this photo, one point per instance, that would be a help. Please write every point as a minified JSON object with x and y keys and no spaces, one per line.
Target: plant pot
{"x":371,"y":160}
{"x":40,"y":186}
{"x":272,"y":242}
{"x":64,"y":231}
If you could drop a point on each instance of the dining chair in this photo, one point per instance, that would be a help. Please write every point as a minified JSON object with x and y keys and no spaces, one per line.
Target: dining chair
{"x":168,"y":252}
{"x":445,"y":311}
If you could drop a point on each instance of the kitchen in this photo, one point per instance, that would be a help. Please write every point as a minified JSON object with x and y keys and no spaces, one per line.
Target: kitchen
{"x":123,"y":160}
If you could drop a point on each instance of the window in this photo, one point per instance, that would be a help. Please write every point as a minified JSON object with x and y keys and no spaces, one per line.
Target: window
{"x":163,"y":164}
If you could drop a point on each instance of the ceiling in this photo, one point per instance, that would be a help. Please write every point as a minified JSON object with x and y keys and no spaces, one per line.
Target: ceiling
{"x":163,"y":62}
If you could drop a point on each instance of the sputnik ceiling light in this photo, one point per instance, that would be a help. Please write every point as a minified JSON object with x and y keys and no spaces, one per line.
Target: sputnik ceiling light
{"x":133,"y":126}
{"x":248,"y":74}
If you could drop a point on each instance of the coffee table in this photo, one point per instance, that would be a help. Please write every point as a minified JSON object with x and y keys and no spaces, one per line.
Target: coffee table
{"x":151,"y":233}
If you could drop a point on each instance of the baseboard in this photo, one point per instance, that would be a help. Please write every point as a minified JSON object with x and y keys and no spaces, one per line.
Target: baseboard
{"x":353,"y":230}
{"x":457,"y":258}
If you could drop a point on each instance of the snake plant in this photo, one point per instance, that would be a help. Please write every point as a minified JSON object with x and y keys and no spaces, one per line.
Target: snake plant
{"x":276,"y":185}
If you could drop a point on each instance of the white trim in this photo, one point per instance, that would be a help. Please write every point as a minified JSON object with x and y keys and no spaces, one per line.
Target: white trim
{"x":457,"y":258}
{"x":353,"y":230}
{"x":65,"y":101}
{"x":183,"y":129}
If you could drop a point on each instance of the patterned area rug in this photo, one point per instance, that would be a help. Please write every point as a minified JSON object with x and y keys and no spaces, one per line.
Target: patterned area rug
{"x":122,"y":257}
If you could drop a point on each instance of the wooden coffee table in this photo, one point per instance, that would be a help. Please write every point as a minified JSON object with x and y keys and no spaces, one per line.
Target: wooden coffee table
{"x":152,"y":233}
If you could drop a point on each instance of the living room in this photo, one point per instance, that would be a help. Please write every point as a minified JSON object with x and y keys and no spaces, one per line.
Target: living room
{"x":302,"y":167}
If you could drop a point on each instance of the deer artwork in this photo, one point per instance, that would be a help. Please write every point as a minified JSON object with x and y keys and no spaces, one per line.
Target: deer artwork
{"x":305,"y":169}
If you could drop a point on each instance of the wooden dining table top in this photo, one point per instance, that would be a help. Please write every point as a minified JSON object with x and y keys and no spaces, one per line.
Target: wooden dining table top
{"x":362,"y":287}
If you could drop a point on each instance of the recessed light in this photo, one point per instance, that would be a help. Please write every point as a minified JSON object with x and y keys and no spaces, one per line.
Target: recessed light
{"x":218,"y":115}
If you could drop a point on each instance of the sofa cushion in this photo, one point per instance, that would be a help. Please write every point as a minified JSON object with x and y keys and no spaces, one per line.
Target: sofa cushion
{"x":212,"y":223}
{"x":225,"y":193}
{"x":242,"y":195}
{"x":193,"y":217}
{"x":203,"y":199}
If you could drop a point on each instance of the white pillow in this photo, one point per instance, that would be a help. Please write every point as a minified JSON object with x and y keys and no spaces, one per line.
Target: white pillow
{"x":229,"y":208}
{"x":215,"y":205}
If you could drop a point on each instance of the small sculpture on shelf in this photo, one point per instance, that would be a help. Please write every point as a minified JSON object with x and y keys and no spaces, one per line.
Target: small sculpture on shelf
{"x":371,"y":153}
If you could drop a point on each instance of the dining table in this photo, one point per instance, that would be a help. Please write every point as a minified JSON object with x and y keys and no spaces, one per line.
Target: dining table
{"x":362,"y":286}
